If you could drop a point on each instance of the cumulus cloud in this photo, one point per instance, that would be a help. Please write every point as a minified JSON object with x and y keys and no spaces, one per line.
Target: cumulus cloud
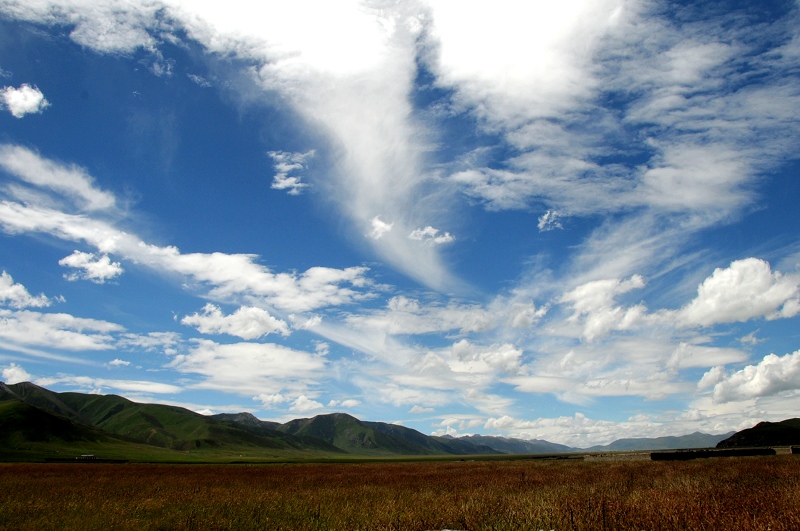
{"x":463,"y":368}
{"x":23,"y":100}
{"x":304,"y":404}
{"x":771,"y":376}
{"x":247,"y":322}
{"x":269,"y":401}
{"x":13,"y":374}
{"x":525,"y":314}
{"x":17,"y":296}
{"x":431,"y":236}
{"x":97,"y":269}
{"x":116,"y":362}
{"x":747,"y":289}
{"x":286,"y":163}
{"x":594,"y":308}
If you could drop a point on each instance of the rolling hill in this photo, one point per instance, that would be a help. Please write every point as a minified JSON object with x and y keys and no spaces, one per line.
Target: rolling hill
{"x":32,"y":417}
{"x":114,"y":418}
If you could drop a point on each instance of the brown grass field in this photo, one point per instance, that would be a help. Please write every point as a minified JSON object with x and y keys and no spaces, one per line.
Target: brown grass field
{"x":724,"y":493}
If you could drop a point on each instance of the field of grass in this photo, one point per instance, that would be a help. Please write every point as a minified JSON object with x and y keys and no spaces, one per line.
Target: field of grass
{"x":723,"y":493}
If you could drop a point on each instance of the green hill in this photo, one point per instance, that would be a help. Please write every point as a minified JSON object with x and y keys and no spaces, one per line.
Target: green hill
{"x":158,"y":425}
{"x":112,"y":418}
{"x":21,"y":423}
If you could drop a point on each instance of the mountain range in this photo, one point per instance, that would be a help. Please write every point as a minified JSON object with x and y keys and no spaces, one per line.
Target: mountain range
{"x":37,"y":422}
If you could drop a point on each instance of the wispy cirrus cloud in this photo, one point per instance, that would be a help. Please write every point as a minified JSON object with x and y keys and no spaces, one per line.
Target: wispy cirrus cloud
{"x":67,"y":181}
{"x":286,"y":163}
{"x":227,"y":277}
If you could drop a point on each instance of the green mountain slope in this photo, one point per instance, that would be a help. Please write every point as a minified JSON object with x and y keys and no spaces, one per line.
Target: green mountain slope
{"x":349,"y":434}
{"x":21,"y":423}
{"x":375,"y":438}
{"x":783,"y":433}
{"x":157,"y":425}
{"x":432,"y":444}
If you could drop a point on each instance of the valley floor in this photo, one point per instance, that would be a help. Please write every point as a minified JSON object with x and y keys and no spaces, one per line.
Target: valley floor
{"x":727,"y":493}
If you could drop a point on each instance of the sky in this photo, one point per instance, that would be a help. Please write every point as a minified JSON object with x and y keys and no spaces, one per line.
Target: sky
{"x":574,"y":221}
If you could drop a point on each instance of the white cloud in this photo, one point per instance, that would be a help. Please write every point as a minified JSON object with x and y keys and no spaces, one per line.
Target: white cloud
{"x":15,"y":374}
{"x":420,"y":410}
{"x":771,"y":376}
{"x":687,"y":355}
{"x":71,"y":181}
{"x":751,"y":339}
{"x":56,"y":330}
{"x":349,"y":403}
{"x":407,"y":316}
{"x":379,"y":228}
{"x":550,"y":220}
{"x":97,"y":385}
{"x":229,"y":277}
{"x":151,"y":342}
{"x":304,"y":404}
{"x":525,"y":314}
{"x":251,"y":369}
{"x":593,"y":306}
{"x":269,"y":401}
{"x":747,"y":289}
{"x":97,"y":269}
{"x":16,"y":296}
{"x":118,"y":363}
{"x":431,"y":236}
{"x":464,"y":367}
{"x":247,"y":322}
{"x":286,"y":163}
{"x":23,"y":100}
{"x":580,"y":431}
{"x":199,"y":80}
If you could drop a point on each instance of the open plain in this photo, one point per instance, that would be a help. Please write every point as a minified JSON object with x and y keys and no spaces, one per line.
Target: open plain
{"x":723,"y":493}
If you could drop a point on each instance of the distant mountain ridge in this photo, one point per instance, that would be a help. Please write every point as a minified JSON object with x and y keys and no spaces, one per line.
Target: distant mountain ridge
{"x":693,"y":440}
{"x":114,"y":419}
{"x":517,"y":446}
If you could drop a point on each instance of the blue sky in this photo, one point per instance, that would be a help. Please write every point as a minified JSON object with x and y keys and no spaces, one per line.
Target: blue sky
{"x":572,"y":222}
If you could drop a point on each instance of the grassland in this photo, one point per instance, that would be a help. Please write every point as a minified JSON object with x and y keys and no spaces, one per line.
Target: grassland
{"x":726,"y":493}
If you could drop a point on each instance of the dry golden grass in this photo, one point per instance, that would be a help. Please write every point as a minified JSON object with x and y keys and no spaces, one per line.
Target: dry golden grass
{"x":724,"y":493}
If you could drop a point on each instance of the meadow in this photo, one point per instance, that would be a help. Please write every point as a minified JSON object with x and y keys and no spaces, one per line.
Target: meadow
{"x":723,"y":493}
